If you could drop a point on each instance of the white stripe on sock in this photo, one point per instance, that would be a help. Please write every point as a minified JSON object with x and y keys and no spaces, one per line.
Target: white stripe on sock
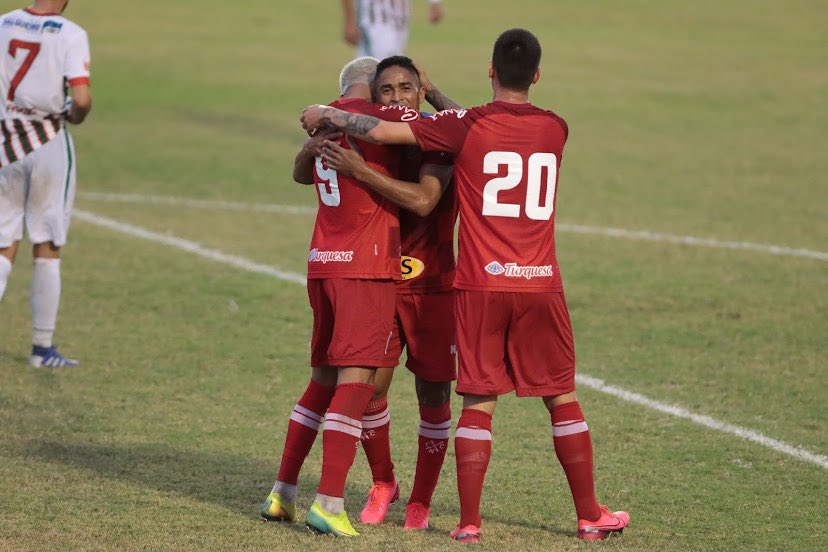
{"x":440,"y":425}
{"x":439,"y":433}
{"x":344,"y":419}
{"x":473,"y":434}
{"x":309,"y":413}
{"x":332,"y":425}
{"x":570,"y":429}
{"x":370,"y":424}
{"x":372,"y":417}
{"x":304,"y":420}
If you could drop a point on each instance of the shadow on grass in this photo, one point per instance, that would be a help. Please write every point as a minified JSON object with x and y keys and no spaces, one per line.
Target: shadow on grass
{"x":231,"y":481}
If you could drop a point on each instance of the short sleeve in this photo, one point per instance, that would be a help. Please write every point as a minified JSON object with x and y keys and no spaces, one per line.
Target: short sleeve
{"x":77,"y":62}
{"x":445,"y":131}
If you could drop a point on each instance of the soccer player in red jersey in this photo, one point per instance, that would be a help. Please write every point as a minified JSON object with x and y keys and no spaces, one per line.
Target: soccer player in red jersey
{"x":424,"y":308}
{"x":514,"y":331}
{"x":352,"y":265}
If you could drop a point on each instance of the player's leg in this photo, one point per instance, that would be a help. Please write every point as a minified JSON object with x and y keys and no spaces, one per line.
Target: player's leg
{"x":573,"y":447}
{"x":432,"y":351}
{"x":432,"y":445}
{"x":48,"y":214}
{"x":542,"y":352}
{"x":13,"y":188}
{"x":473,"y":450}
{"x":308,"y":413}
{"x":7,"y":256}
{"x":359,"y":345}
{"x":341,"y":432}
{"x":303,"y":427}
{"x":482,"y":319}
{"x":376,"y":424}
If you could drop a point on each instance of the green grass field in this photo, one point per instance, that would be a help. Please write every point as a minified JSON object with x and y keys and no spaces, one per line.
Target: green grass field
{"x":702,"y":119}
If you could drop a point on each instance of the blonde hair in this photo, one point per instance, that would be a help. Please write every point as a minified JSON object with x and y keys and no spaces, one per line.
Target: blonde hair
{"x":359,"y":71}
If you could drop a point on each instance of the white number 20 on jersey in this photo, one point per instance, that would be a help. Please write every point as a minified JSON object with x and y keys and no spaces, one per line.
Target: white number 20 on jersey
{"x":537,"y":208}
{"x":329,"y":179}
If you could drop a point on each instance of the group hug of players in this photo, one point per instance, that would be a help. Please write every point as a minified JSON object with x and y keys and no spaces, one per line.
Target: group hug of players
{"x":382,"y":276}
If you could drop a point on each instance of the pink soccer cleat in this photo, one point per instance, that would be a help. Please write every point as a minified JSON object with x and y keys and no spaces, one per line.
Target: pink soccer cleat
{"x":468,"y":534}
{"x":604,"y":526}
{"x":380,"y":497}
{"x":416,"y":516}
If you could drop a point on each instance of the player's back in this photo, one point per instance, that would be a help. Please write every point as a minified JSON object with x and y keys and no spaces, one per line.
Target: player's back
{"x":506,"y":173}
{"x":39,"y":55}
{"x":357,"y":233}
{"x":33,"y":64}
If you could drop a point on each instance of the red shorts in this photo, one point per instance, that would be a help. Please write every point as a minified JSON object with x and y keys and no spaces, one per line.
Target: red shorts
{"x":514,"y":341}
{"x":425,"y":327}
{"x":353,"y":321}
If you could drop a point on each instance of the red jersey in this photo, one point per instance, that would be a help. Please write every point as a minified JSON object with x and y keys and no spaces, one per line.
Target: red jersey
{"x":357,"y":232}
{"x":427,"y":242}
{"x":506,"y":173}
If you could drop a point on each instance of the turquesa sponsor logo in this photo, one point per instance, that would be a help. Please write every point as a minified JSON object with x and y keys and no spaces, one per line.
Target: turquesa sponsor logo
{"x":316,"y":256}
{"x":514,"y":270}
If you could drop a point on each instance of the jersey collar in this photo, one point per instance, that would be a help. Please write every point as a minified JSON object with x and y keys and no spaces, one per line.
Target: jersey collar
{"x":33,"y":11}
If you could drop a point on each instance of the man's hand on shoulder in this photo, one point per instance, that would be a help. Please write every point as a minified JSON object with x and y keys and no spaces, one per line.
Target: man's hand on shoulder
{"x":343,"y":160}
{"x":311,"y":118}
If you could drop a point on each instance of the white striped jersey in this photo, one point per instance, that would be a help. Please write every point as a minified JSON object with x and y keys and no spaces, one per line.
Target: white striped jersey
{"x":384,"y":13}
{"x":41,"y":54}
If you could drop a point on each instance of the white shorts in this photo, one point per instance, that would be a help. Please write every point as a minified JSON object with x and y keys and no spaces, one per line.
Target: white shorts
{"x":382,"y":41}
{"x":39,"y":191}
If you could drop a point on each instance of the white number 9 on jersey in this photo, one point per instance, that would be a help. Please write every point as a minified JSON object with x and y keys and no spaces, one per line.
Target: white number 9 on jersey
{"x":329,"y":178}
{"x":535,"y":208}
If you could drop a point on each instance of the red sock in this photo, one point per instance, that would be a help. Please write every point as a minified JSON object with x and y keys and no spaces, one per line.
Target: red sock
{"x":573,"y":447}
{"x":302,"y":430}
{"x":376,"y":422}
{"x":341,"y":432}
{"x":435,"y":425}
{"x":473,"y":448}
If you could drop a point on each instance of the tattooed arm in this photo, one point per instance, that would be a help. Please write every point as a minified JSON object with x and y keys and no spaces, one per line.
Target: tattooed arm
{"x":365,"y":127}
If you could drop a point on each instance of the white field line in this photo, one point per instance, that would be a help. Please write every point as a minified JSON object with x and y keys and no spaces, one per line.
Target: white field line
{"x":642,"y":235}
{"x":706,"y":421}
{"x":199,"y":203}
{"x":190,"y":247}
{"x":582,"y":379}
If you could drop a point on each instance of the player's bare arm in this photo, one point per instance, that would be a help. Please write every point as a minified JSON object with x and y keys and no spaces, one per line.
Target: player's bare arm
{"x":350,"y":30}
{"x":311,"y":149}
{"x":433,"y":95}
{"x":81,"y":104}
{"x":435,"y":12}
{"x":365,"y":127}
{"x":418,"y":197}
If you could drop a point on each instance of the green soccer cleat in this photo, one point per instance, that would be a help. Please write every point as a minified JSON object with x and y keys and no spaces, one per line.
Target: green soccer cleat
{"x":320,"y":521}
{"x":276,"y":509}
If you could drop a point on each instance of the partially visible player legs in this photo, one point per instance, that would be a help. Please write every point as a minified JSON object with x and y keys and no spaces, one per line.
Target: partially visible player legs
{"x":7,"y":255}
{"x":307,"y":415}
{"x":376,"y":423}
{"x":573,"y":447}
{"x":341,"y":432}
{"x":45,"y":299}
{"x":435,"y":427}
{"x":473,"y":449}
